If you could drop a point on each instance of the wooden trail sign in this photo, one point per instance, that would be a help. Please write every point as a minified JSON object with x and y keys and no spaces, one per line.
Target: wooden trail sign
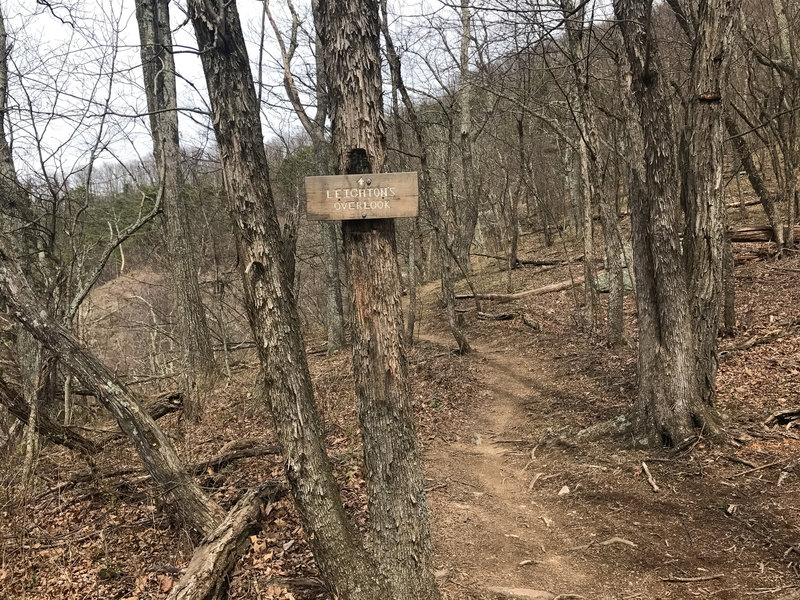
{"x":357,"y":197}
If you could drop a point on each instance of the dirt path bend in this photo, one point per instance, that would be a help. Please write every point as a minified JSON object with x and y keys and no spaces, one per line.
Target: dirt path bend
{"x":488,"y":527}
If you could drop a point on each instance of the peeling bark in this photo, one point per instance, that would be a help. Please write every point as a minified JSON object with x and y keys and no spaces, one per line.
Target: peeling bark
{"x":399,"y":528}
{"x":270,"y":304}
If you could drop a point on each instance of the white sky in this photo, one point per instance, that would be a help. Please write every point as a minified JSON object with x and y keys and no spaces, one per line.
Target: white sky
{"x":63,"y":77}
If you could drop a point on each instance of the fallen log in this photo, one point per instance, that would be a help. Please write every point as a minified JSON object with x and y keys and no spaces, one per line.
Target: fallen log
{"x":206,"y":577}
{"x":496,"y":317}
{"x":234,"y":451}
{"x":757,"y":340}
{"x":312,"y":587}
{"x":530,"y":322}
{"x":742,"y":259}
{"x":759,"y":234}
{"x":783,"y":417}
{"x":534,"y":262}
{"x":50,"y":428}
{"x":555,"y":262}
{"x":547,"y":289}
{"x":238,"y":450}
{"x":164,"y":404}
{"x":739,"y":205}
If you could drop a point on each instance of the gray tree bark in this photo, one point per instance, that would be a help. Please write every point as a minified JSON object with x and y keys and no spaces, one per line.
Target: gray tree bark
{"x":207,"y":575}
{"x":66,"y":436}
{"x":158,"y":66}
{"x":271,"y":307}
{"x":704,"y":187}
{"x":399,"y":528}
{"x":668,"y":407}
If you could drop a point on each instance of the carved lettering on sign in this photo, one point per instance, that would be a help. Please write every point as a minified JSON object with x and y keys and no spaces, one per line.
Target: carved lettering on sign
{"x":368,"y":196}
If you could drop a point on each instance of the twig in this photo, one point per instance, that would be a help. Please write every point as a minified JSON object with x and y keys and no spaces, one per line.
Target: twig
{"x":772,"y":464}
{"x":673,"y":579}
{"x":608,"y":542}
{"x":741,"y":461}
{"x":438,"y":486}
{"x":534,"y":480}
{"x":618,"y":540}
{"x":650,"y":478}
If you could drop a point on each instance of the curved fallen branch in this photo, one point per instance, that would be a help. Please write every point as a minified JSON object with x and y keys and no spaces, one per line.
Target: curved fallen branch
{"x":248,"y":448}
{"x":206,"y":577}
{"x":759,"y":234}
{"x":51,"y":429}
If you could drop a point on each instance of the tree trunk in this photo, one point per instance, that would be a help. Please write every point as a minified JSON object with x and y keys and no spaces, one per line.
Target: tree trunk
{"x":441,"y":226}
{"x":615,"y":328}
{"x":155,"y":449}
{"x":399,"y":529}
{"x":271,"y":307}
{"x":449,"y":298}
{"x":334,"y":315}
{"x":158,"y":66}
{"x":728,"y":317}
{"x":766,"y":197}
{"x":30,"y":363}
{"x":18,"y":224}
{"x":668,"y":407}
{"x":589,"y":294}
{"x":589,"y":146}
{"x":315,"y":127}
{"x":413,"y":242}
{"x":704,"y":186}
{"x":466,"y":225}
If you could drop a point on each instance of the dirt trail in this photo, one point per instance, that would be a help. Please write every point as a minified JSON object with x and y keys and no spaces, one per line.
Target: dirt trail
{"x":486,"y":520}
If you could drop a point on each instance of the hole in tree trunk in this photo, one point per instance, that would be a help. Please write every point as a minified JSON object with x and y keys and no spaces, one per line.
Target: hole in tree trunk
{"x":358,"y":162}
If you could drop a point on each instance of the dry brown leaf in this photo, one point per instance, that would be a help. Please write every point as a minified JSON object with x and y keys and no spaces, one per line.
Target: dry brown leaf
{"x":165,"y":583}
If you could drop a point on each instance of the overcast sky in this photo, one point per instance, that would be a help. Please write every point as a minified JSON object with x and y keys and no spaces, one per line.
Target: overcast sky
{"x":75,"y":78}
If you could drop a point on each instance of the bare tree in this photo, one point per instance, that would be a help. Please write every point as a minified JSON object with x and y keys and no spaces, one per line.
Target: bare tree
{"x":158,"y":65}
{"x":709,"y":30}
{"x":350,"y":31}
{"x":271,"y":307}
{"x":315,"y":127}
{"x":668,"y":406}
{"x":444,"y":226}
{"x":583,"y":108}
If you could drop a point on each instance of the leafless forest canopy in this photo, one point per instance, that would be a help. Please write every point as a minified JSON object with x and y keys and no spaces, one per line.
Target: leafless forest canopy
{"x":204,"y":394}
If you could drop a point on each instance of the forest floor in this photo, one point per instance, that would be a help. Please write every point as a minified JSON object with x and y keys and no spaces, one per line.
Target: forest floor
{"x":522,"y":506}
{"x":522,"y":503}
